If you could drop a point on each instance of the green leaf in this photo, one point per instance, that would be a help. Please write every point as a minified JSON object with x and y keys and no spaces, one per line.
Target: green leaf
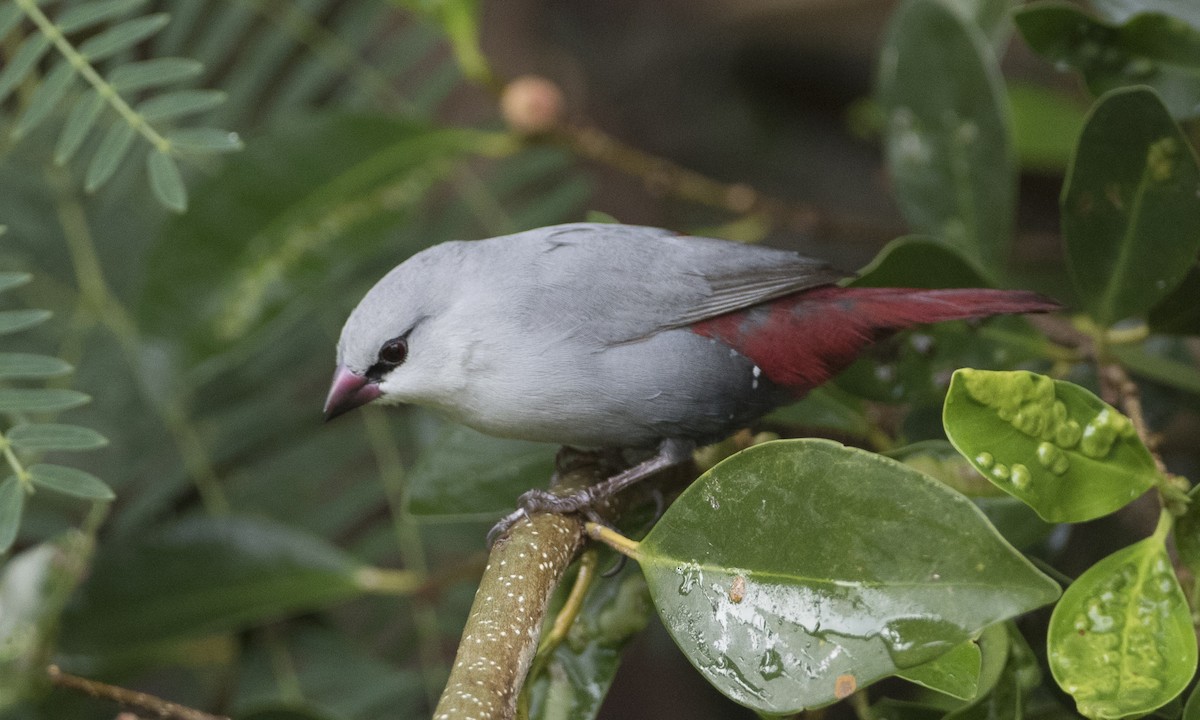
{"x":22,"y":62}
{"x":40,"y":399}
{"x":25,"y":365}
{"x":12,"y":321}
{"x":946,"y":136}
{"x":34,"y":586}
{"x":466,"y":472}
{"x":990,"y":16}
{"x":204,"y":575}
{"x":1187,"y":532}
{"x":80,"y":17}
{"x":10,"y":15}
{"x":1045,"y":126}
{"x":79,"y":123}
{"x":122,"y":37}
{"x":1179,"y":312}
{"x":12,"y":503}
{"x":165,"y":180}
{"x":49,"y":91}
{"x":10,"y":280}
{"x":1053,"y":444}
{"x":70,"y":481}
{"x":1191,"y":711}
{"x":47,"y":436}
{"x":204,"y":140}
{"x":460,"y":21}
{"x":796,"y":570}
{"x":1121,"y":640}
{"x":955,"y":674}
{"x":153,"y":73}
{"x":920,"y":262}
{"x":304,"y":200}
{"x":114,"y":146}
{"x":1121,"y":10}
{"x":1157,"y":367}
{"x":1148,"y":49}
{"x":1129,"y":206}
{"x":174,"y":105}
{"x":825,"y":407}
{"x":583,"y":667}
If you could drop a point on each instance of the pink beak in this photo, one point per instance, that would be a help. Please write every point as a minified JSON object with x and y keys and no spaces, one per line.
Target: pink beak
{"x":347,"y":392}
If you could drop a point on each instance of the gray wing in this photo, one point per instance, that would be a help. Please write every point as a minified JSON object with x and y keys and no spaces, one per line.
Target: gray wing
{"x":621,"y":283}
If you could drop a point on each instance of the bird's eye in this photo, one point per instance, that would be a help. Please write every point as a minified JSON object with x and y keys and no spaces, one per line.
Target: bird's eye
{"x":393,"y":352}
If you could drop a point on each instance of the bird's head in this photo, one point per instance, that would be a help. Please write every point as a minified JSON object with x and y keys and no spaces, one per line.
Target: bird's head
{"x":391,"y":346}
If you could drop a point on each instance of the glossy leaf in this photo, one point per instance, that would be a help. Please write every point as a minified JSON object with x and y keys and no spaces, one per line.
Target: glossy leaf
{"x":165,"y":181}
{"x":955,"y":674}
{"x":1054,"y":445}
{"x":12,"y":321}
{"x":12,"y":503}
{"x":40,"y":399}
{"x":47,"y":436}
{"x":69,"y":481}
{"x":467,"y":473}
{"x":1121,"y":640}
{"x":204,"y":575}
{"x":1129,"y":207}
{"x":583,"y":667}
{"x":796,"y":571}
{"x":946,"y":137}
{"x":1148,"y":49}
{"x":136,"y":76}
{"x":26,"y":365}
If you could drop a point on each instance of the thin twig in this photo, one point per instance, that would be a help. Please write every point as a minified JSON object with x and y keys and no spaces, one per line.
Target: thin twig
{"x":129,"y":698}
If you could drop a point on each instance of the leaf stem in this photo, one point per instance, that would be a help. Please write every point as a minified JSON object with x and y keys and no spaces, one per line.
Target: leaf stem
{"x":149,"y":704}
{"x":82,"y":66}
{"x":18,"y":469}
{"x":389,"y":582}
{"x":612,"y":538}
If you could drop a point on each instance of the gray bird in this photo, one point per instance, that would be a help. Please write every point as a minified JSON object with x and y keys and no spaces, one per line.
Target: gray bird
{"x":613,"y":336}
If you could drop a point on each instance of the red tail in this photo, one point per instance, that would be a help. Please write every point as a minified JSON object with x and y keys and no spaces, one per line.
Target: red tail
{"x":802,"y":340}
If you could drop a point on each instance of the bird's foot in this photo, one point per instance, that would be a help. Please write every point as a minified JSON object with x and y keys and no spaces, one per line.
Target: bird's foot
{"x":588,"y":499}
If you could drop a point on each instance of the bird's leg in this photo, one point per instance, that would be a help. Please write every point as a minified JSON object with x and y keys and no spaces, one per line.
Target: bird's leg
{"x":671,"y":452}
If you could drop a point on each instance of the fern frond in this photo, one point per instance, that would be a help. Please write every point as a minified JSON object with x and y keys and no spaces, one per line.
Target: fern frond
{"x":23,"y":443}
{"x":121,"y":89}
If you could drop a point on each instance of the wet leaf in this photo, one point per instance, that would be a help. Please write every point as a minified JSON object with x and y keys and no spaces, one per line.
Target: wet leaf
{"x":947,"y":135}
{"x":1129,"y":207}
{"x":1121,"y":640}
{"x":1147,"y":49}
{"x":1053,"y":444}
{"x":955,"y":674}
{"x":204,"y":575}
{"x":841,"y":575}
{"x":466,"y":472}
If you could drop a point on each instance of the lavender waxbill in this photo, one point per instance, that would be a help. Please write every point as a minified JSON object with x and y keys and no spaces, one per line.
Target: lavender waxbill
{"x":615,"y":336}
